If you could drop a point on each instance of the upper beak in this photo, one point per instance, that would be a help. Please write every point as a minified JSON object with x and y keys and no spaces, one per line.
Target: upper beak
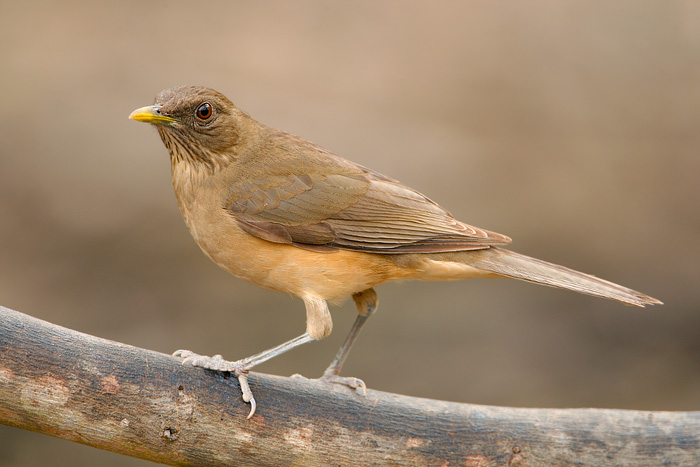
{"x":151,"y":114}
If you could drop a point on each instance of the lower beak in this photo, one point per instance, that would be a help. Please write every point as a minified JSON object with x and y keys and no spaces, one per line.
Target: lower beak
{"x":151,"y":114}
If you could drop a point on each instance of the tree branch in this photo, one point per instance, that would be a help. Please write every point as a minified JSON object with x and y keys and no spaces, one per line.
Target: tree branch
{"x":146,"y":404}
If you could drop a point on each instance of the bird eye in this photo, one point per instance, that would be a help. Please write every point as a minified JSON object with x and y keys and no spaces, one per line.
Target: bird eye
{"x":204,"y":111}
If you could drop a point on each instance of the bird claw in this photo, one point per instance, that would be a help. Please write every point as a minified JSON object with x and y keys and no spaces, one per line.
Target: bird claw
{"x":353,"y":383}
{"x":217,"y":363}
{"x":246,"y":393}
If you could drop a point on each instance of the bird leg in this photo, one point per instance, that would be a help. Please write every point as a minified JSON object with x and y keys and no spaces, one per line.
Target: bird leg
{"x":318,"y":326}
{"x":366,"y":303}
{"x":241,"y":367}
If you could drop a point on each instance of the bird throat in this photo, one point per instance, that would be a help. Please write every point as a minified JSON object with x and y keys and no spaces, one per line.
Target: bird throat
{"x":192,"y":155}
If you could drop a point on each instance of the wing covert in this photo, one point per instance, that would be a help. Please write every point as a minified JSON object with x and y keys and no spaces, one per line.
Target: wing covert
{"x":349,"y":208}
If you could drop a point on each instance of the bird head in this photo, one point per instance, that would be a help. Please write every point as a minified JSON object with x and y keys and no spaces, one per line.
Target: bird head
{"x":196,"y":124}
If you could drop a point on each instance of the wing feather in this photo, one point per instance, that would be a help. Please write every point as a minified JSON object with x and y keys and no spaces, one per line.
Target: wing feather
{"x":334,"y":204}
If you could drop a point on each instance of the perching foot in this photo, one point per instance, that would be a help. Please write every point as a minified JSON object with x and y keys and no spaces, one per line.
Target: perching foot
{"x":328,"y":377}
{"x":217,"y":363}
{"x":353,"y":383}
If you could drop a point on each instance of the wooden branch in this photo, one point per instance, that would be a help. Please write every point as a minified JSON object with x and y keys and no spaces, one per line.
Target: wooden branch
{"x":146,"y":404}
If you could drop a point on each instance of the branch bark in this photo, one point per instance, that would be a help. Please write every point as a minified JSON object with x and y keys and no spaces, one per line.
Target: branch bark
{"x":148,"y":405}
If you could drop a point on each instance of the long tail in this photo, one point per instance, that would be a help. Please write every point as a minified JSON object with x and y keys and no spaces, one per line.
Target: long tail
{"x":514,"y":265}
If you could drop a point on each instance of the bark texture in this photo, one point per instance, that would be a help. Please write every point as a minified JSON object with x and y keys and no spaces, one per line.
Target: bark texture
{"x":146,"y":404}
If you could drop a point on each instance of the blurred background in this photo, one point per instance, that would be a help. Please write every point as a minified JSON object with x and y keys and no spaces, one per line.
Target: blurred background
{"x":571,"y":126}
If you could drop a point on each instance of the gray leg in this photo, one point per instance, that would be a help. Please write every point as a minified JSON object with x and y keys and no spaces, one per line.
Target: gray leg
{"x":241,"y":367}
{"x":366,"y":303}
{"x":318,"y":326}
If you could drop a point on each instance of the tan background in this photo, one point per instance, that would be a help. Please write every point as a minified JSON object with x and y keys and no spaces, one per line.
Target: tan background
{"x":571,"y":126}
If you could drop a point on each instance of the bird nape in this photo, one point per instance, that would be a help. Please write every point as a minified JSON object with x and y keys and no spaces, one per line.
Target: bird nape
{"x":281,"y":212}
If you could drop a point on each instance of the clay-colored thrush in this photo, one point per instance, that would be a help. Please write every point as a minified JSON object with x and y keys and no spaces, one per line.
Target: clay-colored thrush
{"x":286,"y":214}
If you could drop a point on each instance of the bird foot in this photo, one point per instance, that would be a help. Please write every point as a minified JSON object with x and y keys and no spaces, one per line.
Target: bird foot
{"x":217,"y":363}
{"x":353,"y":383}
{"x":350,"y":381}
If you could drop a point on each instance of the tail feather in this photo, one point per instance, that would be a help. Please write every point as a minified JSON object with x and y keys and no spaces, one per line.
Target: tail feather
{"x":514,"y":265}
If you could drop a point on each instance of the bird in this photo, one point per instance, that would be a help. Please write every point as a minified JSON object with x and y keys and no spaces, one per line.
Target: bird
{"x":288,"y":215}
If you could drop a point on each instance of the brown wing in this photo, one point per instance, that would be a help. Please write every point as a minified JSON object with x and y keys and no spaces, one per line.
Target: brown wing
{"x":334,"y":204}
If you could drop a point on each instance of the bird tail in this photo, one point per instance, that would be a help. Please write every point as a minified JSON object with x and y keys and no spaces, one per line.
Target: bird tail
{"x":514,"y":265}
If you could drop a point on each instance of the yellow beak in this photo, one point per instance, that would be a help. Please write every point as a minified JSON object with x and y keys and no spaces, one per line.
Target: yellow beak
{"x":151,"y":114}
